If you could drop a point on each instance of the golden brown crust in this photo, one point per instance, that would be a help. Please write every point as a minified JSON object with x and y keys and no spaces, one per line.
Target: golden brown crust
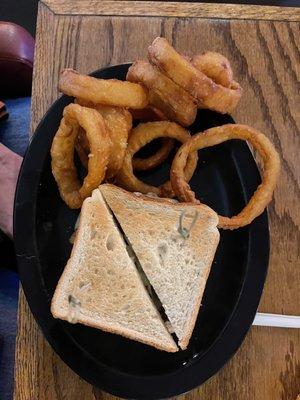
{"x":144,"y":164}
{"x":139,"y":137}
{"x":151,"y":114}
{"x":118,"y":122}
{"x":82,"y":147}
{"x":62,"y":151}
{"x":176,"y":104}
{"x":205,"y":90}
{"x":215,"y":66}
{"x":103,"y":91}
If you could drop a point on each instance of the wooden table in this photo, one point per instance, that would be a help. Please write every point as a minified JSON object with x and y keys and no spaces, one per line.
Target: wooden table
{"x":263,"y":46}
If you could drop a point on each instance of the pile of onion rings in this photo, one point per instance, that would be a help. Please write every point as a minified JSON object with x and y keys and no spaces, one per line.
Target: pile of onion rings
{"x":108,"y":121}
{"x":163,"y":95}
{"x":207,"y":77}
{"x":220,"y":134}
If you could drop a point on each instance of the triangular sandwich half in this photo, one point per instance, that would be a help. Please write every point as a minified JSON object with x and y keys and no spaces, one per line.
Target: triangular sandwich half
{"x":175,"y":244}
{"x":100,"y":286}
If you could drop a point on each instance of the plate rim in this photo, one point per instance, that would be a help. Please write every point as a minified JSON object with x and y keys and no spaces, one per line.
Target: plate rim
{"x":141,"y":387}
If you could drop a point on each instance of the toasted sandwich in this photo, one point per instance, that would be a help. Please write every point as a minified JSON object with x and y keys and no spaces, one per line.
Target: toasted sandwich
{"x":175,"y":244}
{"x":100,"y":285}
{"x":138,"y":267}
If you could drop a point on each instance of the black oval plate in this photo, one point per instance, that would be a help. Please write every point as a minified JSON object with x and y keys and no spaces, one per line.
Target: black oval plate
{"x":225,"y":179}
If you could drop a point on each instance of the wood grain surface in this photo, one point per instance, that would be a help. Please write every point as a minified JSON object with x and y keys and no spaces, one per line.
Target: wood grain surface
{"x":265,"y":59}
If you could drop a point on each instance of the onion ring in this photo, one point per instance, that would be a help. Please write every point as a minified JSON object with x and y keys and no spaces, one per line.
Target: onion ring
{"x":165,"y":95}
{"x":118,"y":121}
{"x":143,"y":164}
{"x":62,"y":152}
{"x":215,"y":66}
{"x":142,"y":135}
{"x":151,"y":114}
{"x":206,"y":92}
{"x":220,"y":134}
{"x":110,"y":92}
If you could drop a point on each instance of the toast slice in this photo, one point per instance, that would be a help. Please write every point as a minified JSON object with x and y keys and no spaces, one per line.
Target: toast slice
{"x":100,"y":286}
{"x":175,"y":244}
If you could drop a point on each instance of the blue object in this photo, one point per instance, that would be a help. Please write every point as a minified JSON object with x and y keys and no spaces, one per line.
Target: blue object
{"x":9,"y":284}
{"x":14,"y":134}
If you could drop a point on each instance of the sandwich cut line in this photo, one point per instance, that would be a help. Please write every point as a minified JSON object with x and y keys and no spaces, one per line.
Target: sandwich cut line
{"x":149,"y":288}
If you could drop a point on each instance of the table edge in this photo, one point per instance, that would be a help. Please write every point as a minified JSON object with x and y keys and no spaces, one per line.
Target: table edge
{"x":172,"y":9}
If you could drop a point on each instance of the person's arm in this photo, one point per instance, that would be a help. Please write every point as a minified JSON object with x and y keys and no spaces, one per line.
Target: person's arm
{"x":10,"y":164}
